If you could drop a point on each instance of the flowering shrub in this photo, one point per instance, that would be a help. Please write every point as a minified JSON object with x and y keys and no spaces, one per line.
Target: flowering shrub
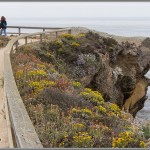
{"x":39,"y":73}
{"x":3,"y":41}
{"x":76,"y":84}
{"x":79,"y":139}
{"x":75,"y":44}
{"x":58,"y":43}
{"x":123,"y":140}
{"x":142,"y":144}
{"x":83,"y":113}
{"x":93,"y":96}
{"x":114,"y":108}
{"x":62,"y":84}
{"x":78,"y":127}
{"x":41,"y":66}
{"x":52,"y":70}
{"x":40,"y":85}
{"x":101,"y":109}
{"x":82,"y":139}
{"x":19,"y":74}
{"x":67,"y":36}
{"x":126,"y":139}
{"x":80,"y":35}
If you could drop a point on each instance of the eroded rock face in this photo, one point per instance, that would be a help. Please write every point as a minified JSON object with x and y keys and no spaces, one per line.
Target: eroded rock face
{"x":125,"y":83}
{"x":114,"y":69}
{"x":146,"y":43}
{"x":138,"y":94}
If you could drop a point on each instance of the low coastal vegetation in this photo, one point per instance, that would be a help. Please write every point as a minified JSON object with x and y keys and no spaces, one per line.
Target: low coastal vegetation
{"x":64,"y":112}
{"x":3,"y":41}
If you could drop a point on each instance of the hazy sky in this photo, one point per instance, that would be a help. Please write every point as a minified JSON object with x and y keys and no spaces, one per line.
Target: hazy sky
{"x":74,"y":9}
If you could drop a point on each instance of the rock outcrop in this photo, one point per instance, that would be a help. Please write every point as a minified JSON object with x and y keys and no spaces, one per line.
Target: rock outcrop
{"x":138,"y":94}
{"x":116,"y":70}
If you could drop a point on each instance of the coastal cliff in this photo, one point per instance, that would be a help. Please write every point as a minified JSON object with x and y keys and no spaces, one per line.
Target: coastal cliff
{"x":116,"y":69}
{"x":76,"y":86}
{"x":113,"y":65}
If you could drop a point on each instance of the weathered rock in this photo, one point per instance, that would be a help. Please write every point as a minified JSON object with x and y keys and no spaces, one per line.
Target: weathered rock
{"x":146,"y":43}
{"x":137,"y":96}
{"x":113,"y":69}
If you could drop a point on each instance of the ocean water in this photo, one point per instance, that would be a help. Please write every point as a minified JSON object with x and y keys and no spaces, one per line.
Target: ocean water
{"x":117,"y":26}
{"x":144,"y":114}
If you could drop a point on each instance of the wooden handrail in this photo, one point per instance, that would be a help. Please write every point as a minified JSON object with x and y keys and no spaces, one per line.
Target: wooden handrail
{"x":27,"y":27}
{"x":24,"y":133}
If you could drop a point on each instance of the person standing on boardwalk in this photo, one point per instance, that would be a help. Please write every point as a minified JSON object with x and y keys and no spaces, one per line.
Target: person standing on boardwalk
{"x":3,"y":25}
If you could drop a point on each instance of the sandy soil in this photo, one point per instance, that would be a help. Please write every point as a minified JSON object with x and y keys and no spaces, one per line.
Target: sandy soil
{"x":3,"y":122}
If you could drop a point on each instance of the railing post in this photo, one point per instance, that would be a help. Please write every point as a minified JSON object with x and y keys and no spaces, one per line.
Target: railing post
{"x":16,"y":44}
{"x":19,"y":30}
{"x":12,"y":48}
{"x":26,"y":40}
{"x":56,"y":34}
{"x":44,"y":33}
{"x":40,"y":37}
{"x":69,"y":31}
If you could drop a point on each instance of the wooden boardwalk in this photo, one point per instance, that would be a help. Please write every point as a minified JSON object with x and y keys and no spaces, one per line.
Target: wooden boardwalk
{"x":16,"y":129}
{"x":5,"y":129}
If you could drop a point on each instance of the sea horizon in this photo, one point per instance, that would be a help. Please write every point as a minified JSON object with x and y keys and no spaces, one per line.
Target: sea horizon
{"x":121,"y":26}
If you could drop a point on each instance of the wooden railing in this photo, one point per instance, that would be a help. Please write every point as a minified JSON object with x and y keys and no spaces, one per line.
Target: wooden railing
{"x":26,"y":27}
{"x":23,"y":131}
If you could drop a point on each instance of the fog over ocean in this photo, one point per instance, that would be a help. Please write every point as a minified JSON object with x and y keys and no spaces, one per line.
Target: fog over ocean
{"x":117,"y":26}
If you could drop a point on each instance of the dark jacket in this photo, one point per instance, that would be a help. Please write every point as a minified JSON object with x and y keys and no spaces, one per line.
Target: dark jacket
{"x":3,"y":24}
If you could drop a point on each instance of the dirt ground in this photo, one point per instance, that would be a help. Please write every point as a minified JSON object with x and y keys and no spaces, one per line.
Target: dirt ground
{"x":3,"y":122}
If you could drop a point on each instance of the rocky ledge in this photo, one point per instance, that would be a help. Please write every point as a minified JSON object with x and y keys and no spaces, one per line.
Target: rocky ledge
{"x":114,"y":68}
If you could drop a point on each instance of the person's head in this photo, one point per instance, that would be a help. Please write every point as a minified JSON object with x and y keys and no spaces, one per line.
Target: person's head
{"x":3,"y":18}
